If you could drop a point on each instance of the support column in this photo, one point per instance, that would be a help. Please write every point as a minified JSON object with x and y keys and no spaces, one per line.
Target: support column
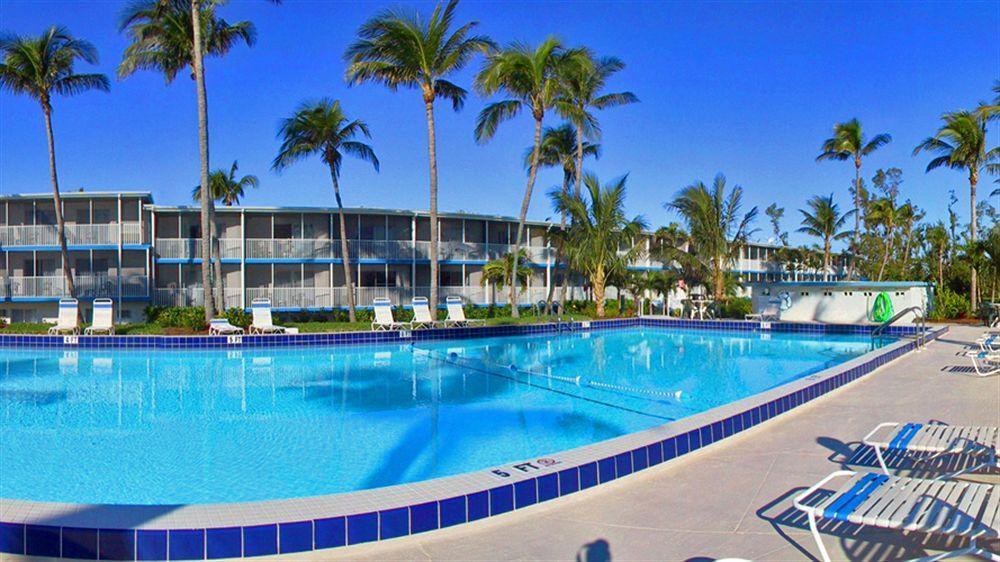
{"x":243,"y":258}
{"x":118,"y":309}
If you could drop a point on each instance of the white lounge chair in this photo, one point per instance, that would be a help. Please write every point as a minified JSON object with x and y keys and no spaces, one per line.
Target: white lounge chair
{"x":456,"y":314}
{"x":935,"y":440}
{"x":989,"y":342}
{"x":770,"y":313}
{"x":986,"y":363}
{"x":422,"y":317}
{"x":68,"y":321}
{"x":383,"y":316}
{"x":104,"y":317}
{"x":952,"y":508}
{"x":222,"y":327}
{"x":262,"y":322}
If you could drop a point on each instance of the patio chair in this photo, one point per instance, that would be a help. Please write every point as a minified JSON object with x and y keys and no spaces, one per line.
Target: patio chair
{"x":952,"y":509}
{"x":383,"y":316}
{"x":104,"y":320}
{"x":989,"y":342}
{"x":456,"y":314}
{"x":68,"y":321}
{"x":770,"y":313}
{"x":422,"y":317}
{"x":986,"y":363}
{"x":222,"y":327}
{"x":936,"y":440}
{"x":262,"y":322}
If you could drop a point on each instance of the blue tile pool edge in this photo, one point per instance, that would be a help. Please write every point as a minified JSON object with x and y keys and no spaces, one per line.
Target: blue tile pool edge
{"x":541,"y":480}
{"x":36,"y":341}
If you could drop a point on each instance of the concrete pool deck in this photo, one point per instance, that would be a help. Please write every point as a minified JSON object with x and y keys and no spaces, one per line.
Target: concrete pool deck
{"x":732,"y":499}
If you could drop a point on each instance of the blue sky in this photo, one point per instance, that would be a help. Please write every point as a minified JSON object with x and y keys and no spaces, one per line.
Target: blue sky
{"x":747,"y":89}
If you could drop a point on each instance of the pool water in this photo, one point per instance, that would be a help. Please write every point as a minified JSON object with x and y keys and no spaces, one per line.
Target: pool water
{"x":168,"y":427}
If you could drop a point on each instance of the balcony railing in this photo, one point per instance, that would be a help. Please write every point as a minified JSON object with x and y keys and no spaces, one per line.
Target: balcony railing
{"x":76,"y":234}
{"x":194,"y":296}
{"x":87,"y":286}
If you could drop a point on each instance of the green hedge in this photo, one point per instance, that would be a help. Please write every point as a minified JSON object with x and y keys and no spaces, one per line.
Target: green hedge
{"x":949,"y":305}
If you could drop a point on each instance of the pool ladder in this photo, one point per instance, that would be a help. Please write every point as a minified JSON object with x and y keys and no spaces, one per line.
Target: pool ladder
{"x":921,"y":338}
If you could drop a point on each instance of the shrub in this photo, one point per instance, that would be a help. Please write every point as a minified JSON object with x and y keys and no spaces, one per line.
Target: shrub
{"x":735,"y":307}
{"x":238,"y":317}
{"x":949,"y":304}
{"x":190,"y":317}
{"x":153,"y":312}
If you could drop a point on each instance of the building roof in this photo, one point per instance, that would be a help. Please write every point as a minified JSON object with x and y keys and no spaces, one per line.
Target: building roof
{"x":81,"y":194}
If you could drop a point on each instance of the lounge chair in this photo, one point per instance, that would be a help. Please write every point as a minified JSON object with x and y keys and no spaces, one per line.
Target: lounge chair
{"x":952,"y":509}
{"x":222,"y":327}
{"x":104,"y":317}
{"x":770,"y":313}
{"x":262,"y":322}
{"x":935,"y":440}
{"x":68,"y":321}
{"x":989,"y":342}
{"x":456,"y":314}
{"x":383,"y":316}
{"x":422,"y":317}
{"x":986,"y":363}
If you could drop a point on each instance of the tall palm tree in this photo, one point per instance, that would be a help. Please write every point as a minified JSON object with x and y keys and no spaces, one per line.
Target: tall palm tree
{"x":530,"y":77}
{"x":717,"y":227}
{"x":169,"y":36}
{"x":227,"y":189}
{"x":849,"y":143}
{"x":598,"y":231}
{"x":581,"y":92}
{"x":402,"y":50}
{"x":824,"y":221}
{"x":558,"y":148}
{"x":939,"y":240}
{"x":961,"y":144}
{"x":40,"y":67}
{"x":321,"y":128}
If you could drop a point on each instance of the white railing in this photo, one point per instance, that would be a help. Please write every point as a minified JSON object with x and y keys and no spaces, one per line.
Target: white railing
{"x":76,"y":234}
{"x":379,"y":249}
{"x":190,"y":248}
{"x":300,"y":297}
{"x":194,"y":296}
{"x":87,"y":286}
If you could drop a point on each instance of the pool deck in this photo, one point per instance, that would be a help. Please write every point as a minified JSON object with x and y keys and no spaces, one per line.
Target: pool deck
{"x":732,"y":499}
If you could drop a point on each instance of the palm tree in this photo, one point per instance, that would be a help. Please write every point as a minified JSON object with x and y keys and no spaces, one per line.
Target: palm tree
{"x":597,"y":232}
{"x":939,"y":240}
{"x":169,"y":36}
{"x":530,"y":77}
{"x":558,"y":149}
{"x":581,"y":92}
{"x":399,"y":49}
{"x":321,"y":128}
{"x":40,"y":67}
{"x":961,"y":144}
{"x":501,"y":270}
{"x":717,"y":231}
{"x":774,"y":214}
{"x":228,"y":189}
{"x":849,"y":143}
{"x":825,"y":221}
{"x":884,"y":212}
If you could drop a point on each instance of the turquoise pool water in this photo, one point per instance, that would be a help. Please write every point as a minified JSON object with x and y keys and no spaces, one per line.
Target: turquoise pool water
{"x":167,"y":427}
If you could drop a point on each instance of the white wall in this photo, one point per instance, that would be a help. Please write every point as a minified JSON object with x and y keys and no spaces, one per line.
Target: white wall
{"x":839,"y":303}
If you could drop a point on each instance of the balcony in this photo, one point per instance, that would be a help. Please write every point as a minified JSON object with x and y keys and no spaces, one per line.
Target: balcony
{"x":76,"y":235}
{"x":324,"y":249}
{"x":87,"y":286}
{"x":194,"y":296}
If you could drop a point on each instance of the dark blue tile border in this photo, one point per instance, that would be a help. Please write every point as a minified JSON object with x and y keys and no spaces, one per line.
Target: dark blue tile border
{"x":303,"y":536}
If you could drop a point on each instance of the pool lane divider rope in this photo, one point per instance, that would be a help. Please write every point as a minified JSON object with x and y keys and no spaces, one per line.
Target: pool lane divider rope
{"x":500,"y":371}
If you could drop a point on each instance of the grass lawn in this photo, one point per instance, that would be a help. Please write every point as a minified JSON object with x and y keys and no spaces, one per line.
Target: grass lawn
{"x":304,"y":327}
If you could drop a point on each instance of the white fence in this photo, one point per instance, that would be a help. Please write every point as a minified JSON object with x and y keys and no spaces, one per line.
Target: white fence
{"x":87,"y":286}
{"x":76,"y":234}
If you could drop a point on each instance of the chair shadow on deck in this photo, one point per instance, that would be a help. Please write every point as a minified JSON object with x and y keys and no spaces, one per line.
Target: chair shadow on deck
{"x":853,"y":542}
{"x":598,"y":550}
{"x":855,"y":455}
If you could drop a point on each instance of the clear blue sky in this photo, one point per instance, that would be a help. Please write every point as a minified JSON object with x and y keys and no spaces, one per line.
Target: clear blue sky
{"x":748,"y":89}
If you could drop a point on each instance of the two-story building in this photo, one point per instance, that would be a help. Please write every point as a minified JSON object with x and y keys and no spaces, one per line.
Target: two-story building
{"x":123,"y":246}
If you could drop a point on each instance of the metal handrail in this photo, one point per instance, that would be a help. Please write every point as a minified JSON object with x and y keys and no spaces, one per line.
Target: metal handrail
{"x":879,"y":330}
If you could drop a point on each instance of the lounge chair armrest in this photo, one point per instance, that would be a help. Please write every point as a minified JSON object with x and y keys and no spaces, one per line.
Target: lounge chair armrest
{"x":867,"y":438}
{"x":799,"y":499}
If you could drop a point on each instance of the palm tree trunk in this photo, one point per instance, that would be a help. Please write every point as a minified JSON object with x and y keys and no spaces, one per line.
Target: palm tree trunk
{"x":579,"y":162}
{"x":974,"y":295}
{"x":533,"y":171}
{"x":940,"y":267}
{"x":559,"y":257}
{"x":206,"y":242}
{"x":857,"y":218}
{"x":220,"y":289}
{"x":826,"y":258}
{"x":57,"y":202}
{"x":345,"y":256}
{"x":598,"y":284}
{"x":432,"y":158}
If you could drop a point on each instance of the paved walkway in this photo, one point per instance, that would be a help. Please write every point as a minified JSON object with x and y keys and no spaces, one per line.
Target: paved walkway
{"x":732,"y":499}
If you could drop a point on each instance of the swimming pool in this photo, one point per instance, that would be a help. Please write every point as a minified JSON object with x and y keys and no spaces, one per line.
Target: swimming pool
{"x":202,"y":426}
